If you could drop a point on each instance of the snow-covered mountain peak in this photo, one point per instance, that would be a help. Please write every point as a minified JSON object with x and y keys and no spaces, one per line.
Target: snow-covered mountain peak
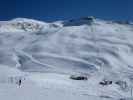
{"x":79,"y":21}
{"x":32,"y":21}
{"x":88,"y":18}
{"x":22,"y":25}
{"x":30,"y":25}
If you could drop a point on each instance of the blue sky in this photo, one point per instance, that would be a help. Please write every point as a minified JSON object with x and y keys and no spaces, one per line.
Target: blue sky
{"x":51,"y":10}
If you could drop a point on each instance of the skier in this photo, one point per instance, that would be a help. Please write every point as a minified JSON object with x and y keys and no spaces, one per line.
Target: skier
{"x":19,"y":82}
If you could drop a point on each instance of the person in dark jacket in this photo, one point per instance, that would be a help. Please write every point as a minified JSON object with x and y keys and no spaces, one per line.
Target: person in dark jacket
{"x":19,"y":82}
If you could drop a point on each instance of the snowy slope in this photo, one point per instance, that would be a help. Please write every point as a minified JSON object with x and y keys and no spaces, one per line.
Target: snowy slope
{"x":44,"y":55}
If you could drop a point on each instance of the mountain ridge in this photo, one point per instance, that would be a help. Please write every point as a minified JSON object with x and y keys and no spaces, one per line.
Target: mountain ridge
{"x":31,"y":25}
